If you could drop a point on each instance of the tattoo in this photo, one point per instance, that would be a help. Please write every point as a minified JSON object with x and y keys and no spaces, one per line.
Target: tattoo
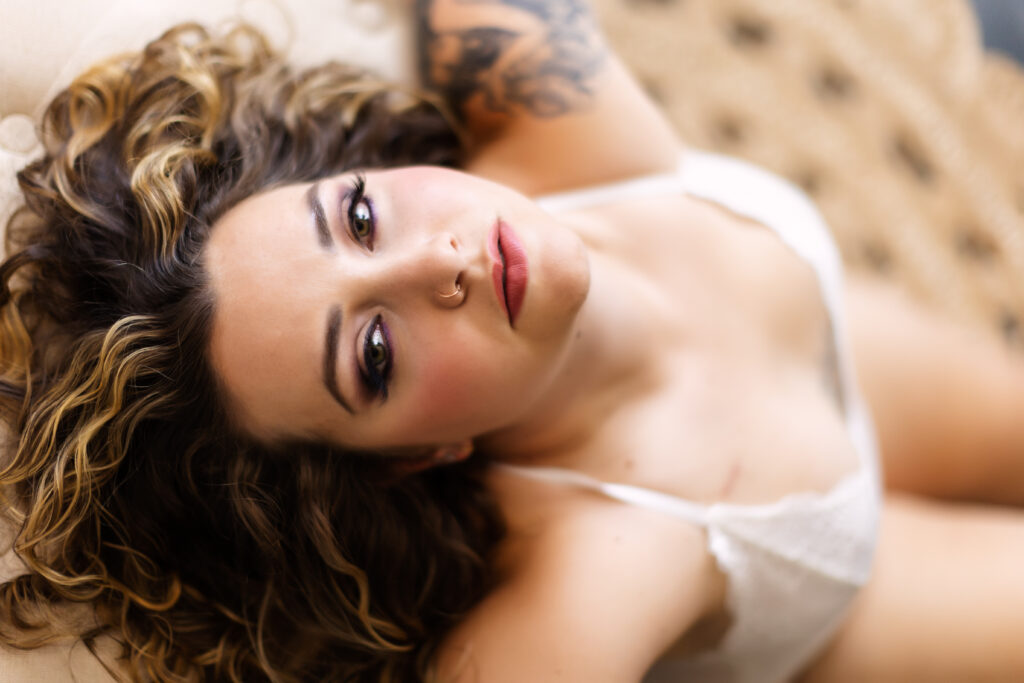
{"x":537,"y":56}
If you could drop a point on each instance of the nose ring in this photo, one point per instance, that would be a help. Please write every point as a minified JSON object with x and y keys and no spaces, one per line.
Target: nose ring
{"x":458,"y":289}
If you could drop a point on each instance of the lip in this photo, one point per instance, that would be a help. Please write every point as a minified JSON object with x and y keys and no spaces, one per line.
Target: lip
{"x":509,"y":271}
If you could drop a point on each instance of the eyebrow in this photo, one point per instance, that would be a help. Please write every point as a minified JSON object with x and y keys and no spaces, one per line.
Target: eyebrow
{"x":331,"y":357}
{"x":323,"y":231}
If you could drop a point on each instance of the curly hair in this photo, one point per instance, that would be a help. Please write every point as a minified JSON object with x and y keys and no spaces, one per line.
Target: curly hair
{"x":207,"y":554}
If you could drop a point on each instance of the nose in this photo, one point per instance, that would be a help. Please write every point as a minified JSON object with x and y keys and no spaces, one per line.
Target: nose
{"x":430,"y":269}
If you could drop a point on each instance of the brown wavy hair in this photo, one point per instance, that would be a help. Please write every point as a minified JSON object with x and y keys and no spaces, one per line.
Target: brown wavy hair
{"x":206,"y":554}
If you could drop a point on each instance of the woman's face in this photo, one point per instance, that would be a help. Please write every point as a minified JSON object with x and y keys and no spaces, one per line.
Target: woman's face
{"x":424,"y":307}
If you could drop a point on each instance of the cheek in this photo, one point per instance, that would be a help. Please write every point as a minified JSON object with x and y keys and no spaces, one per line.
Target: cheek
{"x":454,"y":378}
{"x":459,"y":388}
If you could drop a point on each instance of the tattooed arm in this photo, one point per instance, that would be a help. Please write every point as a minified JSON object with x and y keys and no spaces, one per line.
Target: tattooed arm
{"x":510,"y":57}
{"x":547,"y":105}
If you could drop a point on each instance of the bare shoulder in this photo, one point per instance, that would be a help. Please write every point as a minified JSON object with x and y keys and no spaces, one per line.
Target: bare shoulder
{"x":597,"y":596}
{"x":547,"y":104}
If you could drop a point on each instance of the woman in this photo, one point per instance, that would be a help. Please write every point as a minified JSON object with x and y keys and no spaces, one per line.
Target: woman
{"x":290,"y":407}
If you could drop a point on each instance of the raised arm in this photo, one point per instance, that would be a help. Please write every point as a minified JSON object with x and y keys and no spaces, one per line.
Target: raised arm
{"x":547,"y":105}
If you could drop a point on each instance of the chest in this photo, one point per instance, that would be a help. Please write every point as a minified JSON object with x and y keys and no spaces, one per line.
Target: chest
{"x":719,"y":278}
{"x":747,"y":405}
{"x":739,"y":405}
{"x":728,"y":431}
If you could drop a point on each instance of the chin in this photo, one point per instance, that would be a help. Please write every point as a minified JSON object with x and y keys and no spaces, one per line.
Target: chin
{"x":568,"y":287}
{"x":560,"y":282}
{"x":572,"y":280}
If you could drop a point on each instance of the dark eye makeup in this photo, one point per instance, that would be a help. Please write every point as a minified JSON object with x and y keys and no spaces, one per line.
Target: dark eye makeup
{"x":359,"y":215}
{"x":377,"y":358}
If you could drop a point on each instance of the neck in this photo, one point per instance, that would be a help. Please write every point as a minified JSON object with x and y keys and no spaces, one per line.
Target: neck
{"x":611,"y":358}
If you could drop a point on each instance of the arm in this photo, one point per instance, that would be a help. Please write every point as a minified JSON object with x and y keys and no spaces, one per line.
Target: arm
{"x":947,"y":400}
{"x":547,"y":106}
{"x":514,"y":640}
{"x":597,"y":596}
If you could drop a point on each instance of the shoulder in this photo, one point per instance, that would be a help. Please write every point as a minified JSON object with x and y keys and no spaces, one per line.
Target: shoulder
{"x":597,"y":595}
{"x":620,"y":134}
{"x":547,"y":105}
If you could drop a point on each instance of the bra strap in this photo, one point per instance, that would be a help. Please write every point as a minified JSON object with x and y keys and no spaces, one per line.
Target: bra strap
{"x":631,"y":188}
{"x":633,"y":495}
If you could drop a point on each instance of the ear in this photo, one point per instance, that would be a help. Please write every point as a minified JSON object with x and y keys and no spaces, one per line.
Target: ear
{"x":445,"y":454}
{"x":451,"y":453}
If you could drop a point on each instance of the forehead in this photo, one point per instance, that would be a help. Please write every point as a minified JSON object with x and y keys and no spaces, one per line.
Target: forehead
{"x":264,"y":264}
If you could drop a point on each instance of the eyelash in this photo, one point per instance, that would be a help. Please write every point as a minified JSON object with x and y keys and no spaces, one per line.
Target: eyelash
{"x":354,"y":198}
{"x":376,"y":375}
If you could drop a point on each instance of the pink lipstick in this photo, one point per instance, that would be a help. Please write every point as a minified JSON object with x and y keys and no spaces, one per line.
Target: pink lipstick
{"x":509,"y":271}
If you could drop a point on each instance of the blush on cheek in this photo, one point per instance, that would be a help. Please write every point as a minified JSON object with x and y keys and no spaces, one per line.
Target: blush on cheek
{"x":444,"y":387}
{"x":452,"y":394}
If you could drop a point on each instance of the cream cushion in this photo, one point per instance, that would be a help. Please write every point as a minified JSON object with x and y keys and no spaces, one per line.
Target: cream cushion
{"x":44,"y":44}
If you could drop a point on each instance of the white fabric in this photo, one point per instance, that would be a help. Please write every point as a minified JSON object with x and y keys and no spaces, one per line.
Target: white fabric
{"x":793,"y":565}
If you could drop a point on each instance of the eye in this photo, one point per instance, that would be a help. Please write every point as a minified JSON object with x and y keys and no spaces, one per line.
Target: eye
{"x":377,"y":358}
{"x":361,"y":221}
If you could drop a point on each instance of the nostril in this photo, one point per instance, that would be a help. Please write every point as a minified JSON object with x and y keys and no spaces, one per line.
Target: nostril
{"x":455,"y":244}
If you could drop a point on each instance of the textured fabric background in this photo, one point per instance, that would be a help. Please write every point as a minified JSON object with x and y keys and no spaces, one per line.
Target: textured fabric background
{"x":890,"y":114}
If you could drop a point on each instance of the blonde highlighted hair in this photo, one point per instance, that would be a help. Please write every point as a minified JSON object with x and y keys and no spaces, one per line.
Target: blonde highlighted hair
{"x":207,"y":554}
